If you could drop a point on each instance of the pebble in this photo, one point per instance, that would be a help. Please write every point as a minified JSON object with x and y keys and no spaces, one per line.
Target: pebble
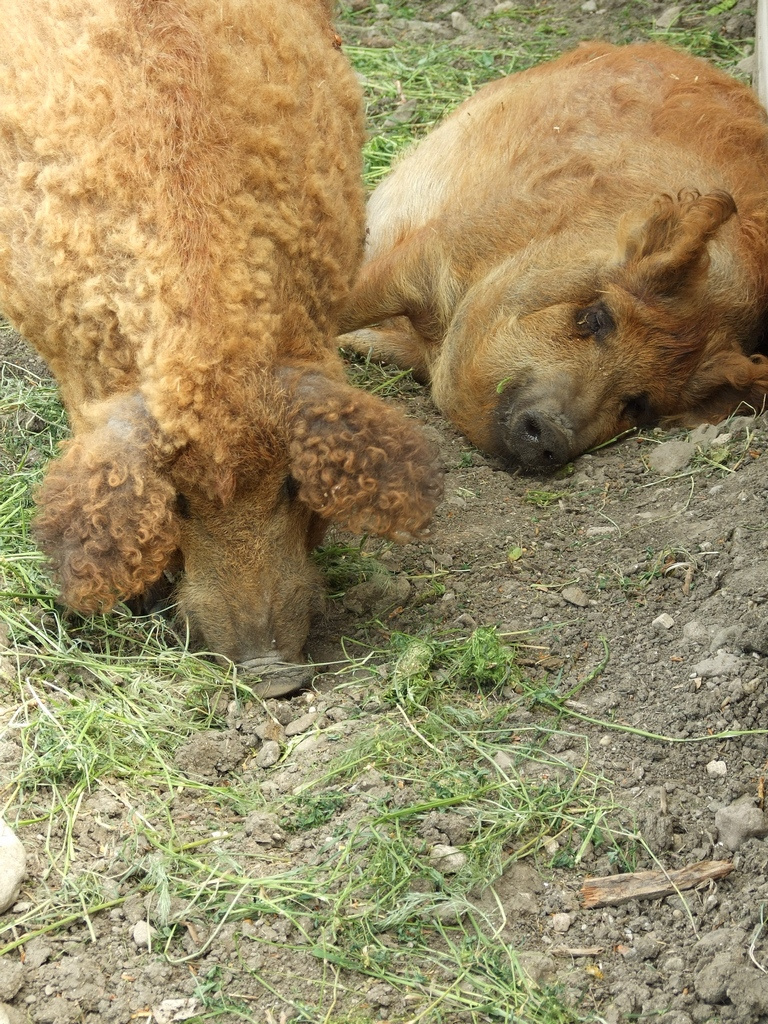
{"x":268,"y":755}
{"x":561,"y":923}
{"x":663,"y":621}
{"x":721,"y":664}
{"x":461,"y":23}
{"x":668,"y":17}
{"x":717,"y":769}
{"x":711,"y":982}
{"x":502,"y":760}
{"x":11,"y":979}
{"x":575,"y":596}
{"x":740,"y":821}
{"x":143,"y":933}
{"x":13,"y":865}
{"x":447,"y":859}
{"x":589,"y":7}
{"x":671,"y":456}
{"x":301,"y":724}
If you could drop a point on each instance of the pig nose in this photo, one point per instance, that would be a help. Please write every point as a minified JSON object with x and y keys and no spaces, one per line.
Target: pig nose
{"x":534,"y":442}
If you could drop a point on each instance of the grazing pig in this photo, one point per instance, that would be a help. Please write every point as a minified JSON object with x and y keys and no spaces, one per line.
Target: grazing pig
{"x":181,"y":219}
{"x":579,"y":249}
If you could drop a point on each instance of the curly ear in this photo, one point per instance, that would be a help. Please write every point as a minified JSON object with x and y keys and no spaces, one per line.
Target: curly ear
{"x":667,"y":250}
{"x":728,"y":383}
{"x":106,"y":517}
{"x":360,"y":461}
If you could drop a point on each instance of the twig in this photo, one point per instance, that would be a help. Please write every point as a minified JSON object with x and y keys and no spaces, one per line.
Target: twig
{"x":649,"y":885}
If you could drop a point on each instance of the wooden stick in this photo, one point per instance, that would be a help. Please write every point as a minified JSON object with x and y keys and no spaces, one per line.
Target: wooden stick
{"x":650,"y":885}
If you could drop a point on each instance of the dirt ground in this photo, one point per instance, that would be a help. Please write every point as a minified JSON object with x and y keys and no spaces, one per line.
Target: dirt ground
{"x":655,"y":550}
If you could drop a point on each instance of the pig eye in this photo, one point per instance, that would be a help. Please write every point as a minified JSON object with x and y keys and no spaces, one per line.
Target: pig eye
{"x":595,"y":320}
{"x":182,"y":506}
{"x":290,"y":488}
{"x":638,"y":410}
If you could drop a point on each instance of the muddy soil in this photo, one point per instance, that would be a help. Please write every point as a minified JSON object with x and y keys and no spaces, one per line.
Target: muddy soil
{"x":655,"y":550}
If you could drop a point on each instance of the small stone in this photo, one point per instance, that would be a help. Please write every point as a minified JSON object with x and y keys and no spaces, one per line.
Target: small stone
{"x":172,"y":1010}
{"x":717,"y":769}
{"x":740,"y":821}
{"x":380,"y":995}
{"x":13,"y":866}
{"x":721,"y":664}
{"x":263,"y":827}
{"x":561,"y":923}
{"x":648,"y":947}
{"x":711,"y":982}
{"x":589,"y":7}
{"x":268,"y":755}
{"x":447,"y":859}
{"x":11,"y":979}
{"x":143,"y":933}
{"x":575,"y":596}
{"x":668,"y":17}
{"x":663,"y":621}
{"x":461,"y":23}
{"x":502,"y":760}
{"x":301,"y":724}
{"x":671,"y":456}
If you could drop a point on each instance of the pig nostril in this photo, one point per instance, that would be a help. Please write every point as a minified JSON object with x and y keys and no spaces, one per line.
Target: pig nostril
{"x":532,"y":429}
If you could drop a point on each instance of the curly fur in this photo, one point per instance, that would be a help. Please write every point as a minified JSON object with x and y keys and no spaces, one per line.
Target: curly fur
{"x":181,"y":220}
{"x":341,"y":448}
{"x":579,"y":249}
{"x":106,"y":517}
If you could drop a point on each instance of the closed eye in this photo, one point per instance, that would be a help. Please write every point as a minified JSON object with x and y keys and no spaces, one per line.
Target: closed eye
{"x":639,"y":411}
{"x":595,"y":320}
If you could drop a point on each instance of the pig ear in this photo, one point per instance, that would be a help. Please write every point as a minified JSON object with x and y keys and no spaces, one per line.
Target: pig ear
{"x":727,"y":383}
{"x":359,"y":461}
{"x":667,"y":249}
{"x":105,"y":516}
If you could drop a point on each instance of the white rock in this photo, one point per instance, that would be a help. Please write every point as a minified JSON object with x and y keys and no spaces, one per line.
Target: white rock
{"x":589,"y":7}
{"x":269,"y":754}
{"x":503,"y":760}
{"x":447,"y":859}
{"x":721,"y":664}
{"x":740,"y":821}
{"x":561,"y":923}
{"x":461,"y":23}
{"x":13,"y":865}
{"x":575,"y":596}
{"x":143,"y":933}
{"x":4,"y":1018}
{"x":717,"y":769}
{"x":668,"y":17}
{"x":172,"y":1010}
{"x":670,"y":457}
{"x":663,"y":621}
